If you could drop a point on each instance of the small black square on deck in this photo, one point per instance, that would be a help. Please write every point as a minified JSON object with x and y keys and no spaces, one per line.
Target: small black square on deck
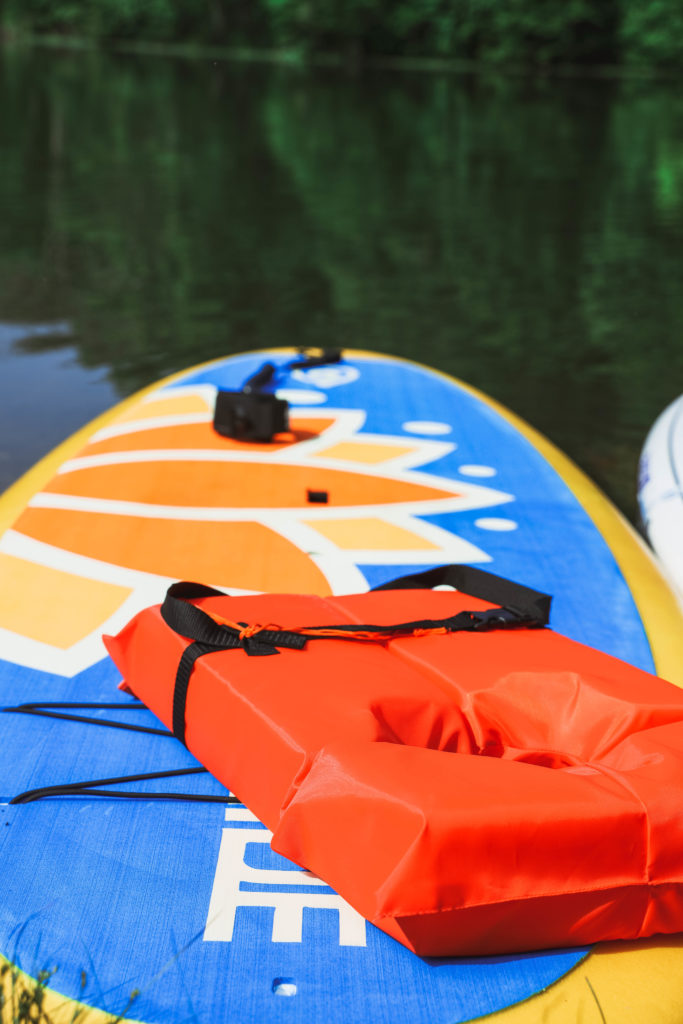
{"x":317,"y":497}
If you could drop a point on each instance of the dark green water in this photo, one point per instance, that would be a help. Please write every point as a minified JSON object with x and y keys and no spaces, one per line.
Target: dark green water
{"x":524,"y":235}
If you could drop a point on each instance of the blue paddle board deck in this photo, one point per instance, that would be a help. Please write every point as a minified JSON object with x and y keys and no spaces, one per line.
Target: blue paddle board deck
{"x":184,"y":904}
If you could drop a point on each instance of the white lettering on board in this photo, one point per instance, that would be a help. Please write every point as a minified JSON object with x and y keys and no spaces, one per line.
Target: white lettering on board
{"x":327,"y":376}
{"x":288,"y":904}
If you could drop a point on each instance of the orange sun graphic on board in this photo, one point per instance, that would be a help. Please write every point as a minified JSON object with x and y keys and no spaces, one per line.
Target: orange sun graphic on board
{"x":158,"y":496}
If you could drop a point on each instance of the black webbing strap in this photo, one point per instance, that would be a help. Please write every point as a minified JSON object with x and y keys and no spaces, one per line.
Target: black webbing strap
{"x":182,"y":682}
{"x":192,"y":622}
{"x":532,"y":607}
{"x":517,"y":606}
{"x":207,"y":636}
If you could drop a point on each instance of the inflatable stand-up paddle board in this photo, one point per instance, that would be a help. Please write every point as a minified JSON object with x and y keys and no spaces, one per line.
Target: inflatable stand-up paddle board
{"x":170,"y":911}
{"x":660,"y":489}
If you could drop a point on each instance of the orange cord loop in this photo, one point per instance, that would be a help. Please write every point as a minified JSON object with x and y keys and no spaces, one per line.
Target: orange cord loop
{"x":326,"y":632}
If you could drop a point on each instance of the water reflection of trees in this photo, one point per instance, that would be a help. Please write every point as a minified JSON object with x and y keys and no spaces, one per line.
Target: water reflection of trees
{"x":523,"y":236}
{"x":522,"y":32}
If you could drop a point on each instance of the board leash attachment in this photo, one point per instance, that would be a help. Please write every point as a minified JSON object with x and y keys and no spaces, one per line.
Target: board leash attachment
{"x":256,"y":414}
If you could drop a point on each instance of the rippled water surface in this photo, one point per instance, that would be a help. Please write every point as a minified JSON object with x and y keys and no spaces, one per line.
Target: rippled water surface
{"x":523,"y":235}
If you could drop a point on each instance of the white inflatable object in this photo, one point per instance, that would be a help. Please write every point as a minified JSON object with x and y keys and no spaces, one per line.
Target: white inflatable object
{"x":660,"y":489}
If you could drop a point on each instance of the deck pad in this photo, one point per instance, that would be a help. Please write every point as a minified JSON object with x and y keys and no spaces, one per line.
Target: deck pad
{"x":186,"y":903}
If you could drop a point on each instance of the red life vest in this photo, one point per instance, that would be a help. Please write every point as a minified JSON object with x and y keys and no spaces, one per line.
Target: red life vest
{"x":469,"y":789}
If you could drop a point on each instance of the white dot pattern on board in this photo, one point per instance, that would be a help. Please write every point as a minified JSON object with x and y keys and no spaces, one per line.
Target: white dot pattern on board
{"x":482,"y":471}
{"x":299,"y":396}
{"x":427,"y":427}
{"x":499,"y":525}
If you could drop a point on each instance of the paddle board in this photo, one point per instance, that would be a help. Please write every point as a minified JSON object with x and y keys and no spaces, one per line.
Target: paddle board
{"x":660,"y":489}
{"x":168,"y":911}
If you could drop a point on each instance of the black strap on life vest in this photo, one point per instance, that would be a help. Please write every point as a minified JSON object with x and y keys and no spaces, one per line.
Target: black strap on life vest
{"x":530,"y":606}
{"x":518,"y":606}
{"x":252,"y":414}
{"x":208,"y":636}
{"x":192,"y":622}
